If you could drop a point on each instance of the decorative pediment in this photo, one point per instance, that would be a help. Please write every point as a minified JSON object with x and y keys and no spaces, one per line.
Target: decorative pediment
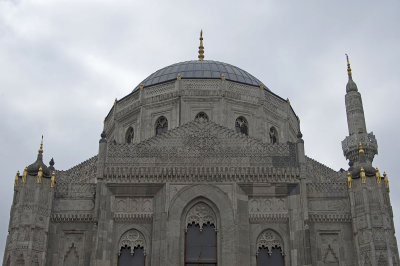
{"x":205,"y":142}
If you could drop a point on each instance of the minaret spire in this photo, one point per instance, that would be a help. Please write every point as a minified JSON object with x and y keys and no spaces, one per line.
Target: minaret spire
{"x":201,"y":47}
{"x":41,"y":146}
{"x":351,"y":85}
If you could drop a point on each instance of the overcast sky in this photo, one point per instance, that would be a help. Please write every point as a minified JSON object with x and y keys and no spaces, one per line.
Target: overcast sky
{"x":62,"y":64}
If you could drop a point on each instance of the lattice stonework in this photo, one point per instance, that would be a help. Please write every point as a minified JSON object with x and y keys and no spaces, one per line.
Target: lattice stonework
{"x":269,"y":239}
{"x":133,"y":238}
{"x":201,"y":214}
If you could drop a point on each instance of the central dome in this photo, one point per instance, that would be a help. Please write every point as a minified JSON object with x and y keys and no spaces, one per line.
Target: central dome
{"x":204,"y":69}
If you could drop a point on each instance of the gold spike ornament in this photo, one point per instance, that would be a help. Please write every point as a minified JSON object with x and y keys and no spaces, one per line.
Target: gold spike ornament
{"x":360,"y":148}
{"x":53,"y":179}
{"x":39,"y":175}
{"x":201,"y":47}
{"x":386,"y":180}
{"x":223,"y":77}
{"x":378,"y":176}
{"x":24,"y":175}
{"x":349,"y":180}
{"x":179,"y":77}
{"x":41,"y":146}
{"x":348,"y":65}
{"x":16,"y":179}
{"x":362,"y":176}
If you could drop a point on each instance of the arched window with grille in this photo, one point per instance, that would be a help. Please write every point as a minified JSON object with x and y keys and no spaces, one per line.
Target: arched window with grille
{"x":202,"y":116}
{"x":273,"y":135}
{"x":241,"y":125}
{"x":130,"y":134}
{"x":161,"y":125}
{"x":270,"y":249}
{"x":201,"y":236}
{"x":132,"y":249}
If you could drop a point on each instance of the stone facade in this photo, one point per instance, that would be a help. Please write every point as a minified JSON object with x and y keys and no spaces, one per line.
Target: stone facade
{"x":259,"y":190}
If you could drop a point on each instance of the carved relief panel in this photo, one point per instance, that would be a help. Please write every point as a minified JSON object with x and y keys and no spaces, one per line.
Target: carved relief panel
{"x":73,"y":247}
{"x":132,"y":208}
{"x":328,"y":248}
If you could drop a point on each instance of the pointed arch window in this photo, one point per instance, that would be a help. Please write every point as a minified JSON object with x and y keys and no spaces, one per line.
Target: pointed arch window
{"x":201,"y":237}
{"x":130,"y":134}
{"x":202,"y":116}
{"x":270,"y":249}
{"x":161,"y":125}
{"x":241,"y":125}
{"x":273,"y":135}
{"x":132,"y":249}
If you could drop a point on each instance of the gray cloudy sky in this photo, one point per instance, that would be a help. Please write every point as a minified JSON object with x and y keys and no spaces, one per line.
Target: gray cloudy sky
{"x":62,"y":64}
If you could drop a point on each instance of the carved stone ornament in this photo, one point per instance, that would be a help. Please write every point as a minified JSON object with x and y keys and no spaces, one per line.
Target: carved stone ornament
{"x":269,"y":239}
{"x":133,"y":238}
{"x":201,"y":214}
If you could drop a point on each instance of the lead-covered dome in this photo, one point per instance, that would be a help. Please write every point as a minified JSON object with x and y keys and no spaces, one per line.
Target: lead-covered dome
{"x":204,"y":69}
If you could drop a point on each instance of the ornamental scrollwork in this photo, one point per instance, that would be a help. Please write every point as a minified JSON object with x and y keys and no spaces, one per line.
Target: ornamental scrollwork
{"x":201,"y":214}
{"x":269,"y":239}
{"x":132,"y":238}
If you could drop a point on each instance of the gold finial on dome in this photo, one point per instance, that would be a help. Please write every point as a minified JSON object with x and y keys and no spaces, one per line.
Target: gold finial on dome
{"x":261,"y":86}
{"x":360,"y":148}
{"x":53,"y":179}
{"x":378,"y":176}
{"x":115,"y":101}
{"x":141,"y":86}
{"x":16,"y":179}
{"x":223,"y":76}
{"x":179,"y":76}
{"x":349,"y":180}
{"x":39,"y":176}
{"x":201,"y":47}
{"x":362,"y":176}
{"x":41,"y":146}
{"x":348,"y":65}
{"x":24,"y":174}
{"x":288,"y":101}
{"x":386,"y":180}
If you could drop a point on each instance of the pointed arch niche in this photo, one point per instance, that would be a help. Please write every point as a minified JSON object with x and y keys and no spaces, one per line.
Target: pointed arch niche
{"x":201,"y":236}
{"x":270,"y":249}
{"x":132,"y":249}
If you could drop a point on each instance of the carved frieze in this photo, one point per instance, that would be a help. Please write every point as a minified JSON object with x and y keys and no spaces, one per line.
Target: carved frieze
{"x":327,"y":204}
{"x":267,"y":205}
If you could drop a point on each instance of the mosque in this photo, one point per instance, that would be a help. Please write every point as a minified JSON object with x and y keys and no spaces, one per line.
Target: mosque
{"x":202,"y":164}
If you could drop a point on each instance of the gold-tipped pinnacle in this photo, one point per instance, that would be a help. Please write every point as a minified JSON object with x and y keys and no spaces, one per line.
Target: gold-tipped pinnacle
{"x":41,"y":146}
{"x":201,"y":47}
{"x":348,"y":65}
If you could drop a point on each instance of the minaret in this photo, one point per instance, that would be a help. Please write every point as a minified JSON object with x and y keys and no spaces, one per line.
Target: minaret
{"x":30,"y":214}
{"x":371,"y":212}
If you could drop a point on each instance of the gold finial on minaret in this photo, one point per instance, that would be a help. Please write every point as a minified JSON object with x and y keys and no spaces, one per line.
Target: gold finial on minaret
{"x":24,"y":174}
{"x":378,"y":176}
{"x":41,"y":146}
{"x":360,"y":148}
{"x":386,"y":180}
{"x":39,"y":176}
{"x":349,"y":180}
{"x":362,"y":176}
{"x":348,"y":65}
{"x":53,"y":179}
{"x":201,"y":47}
{"x":16,"y":179}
